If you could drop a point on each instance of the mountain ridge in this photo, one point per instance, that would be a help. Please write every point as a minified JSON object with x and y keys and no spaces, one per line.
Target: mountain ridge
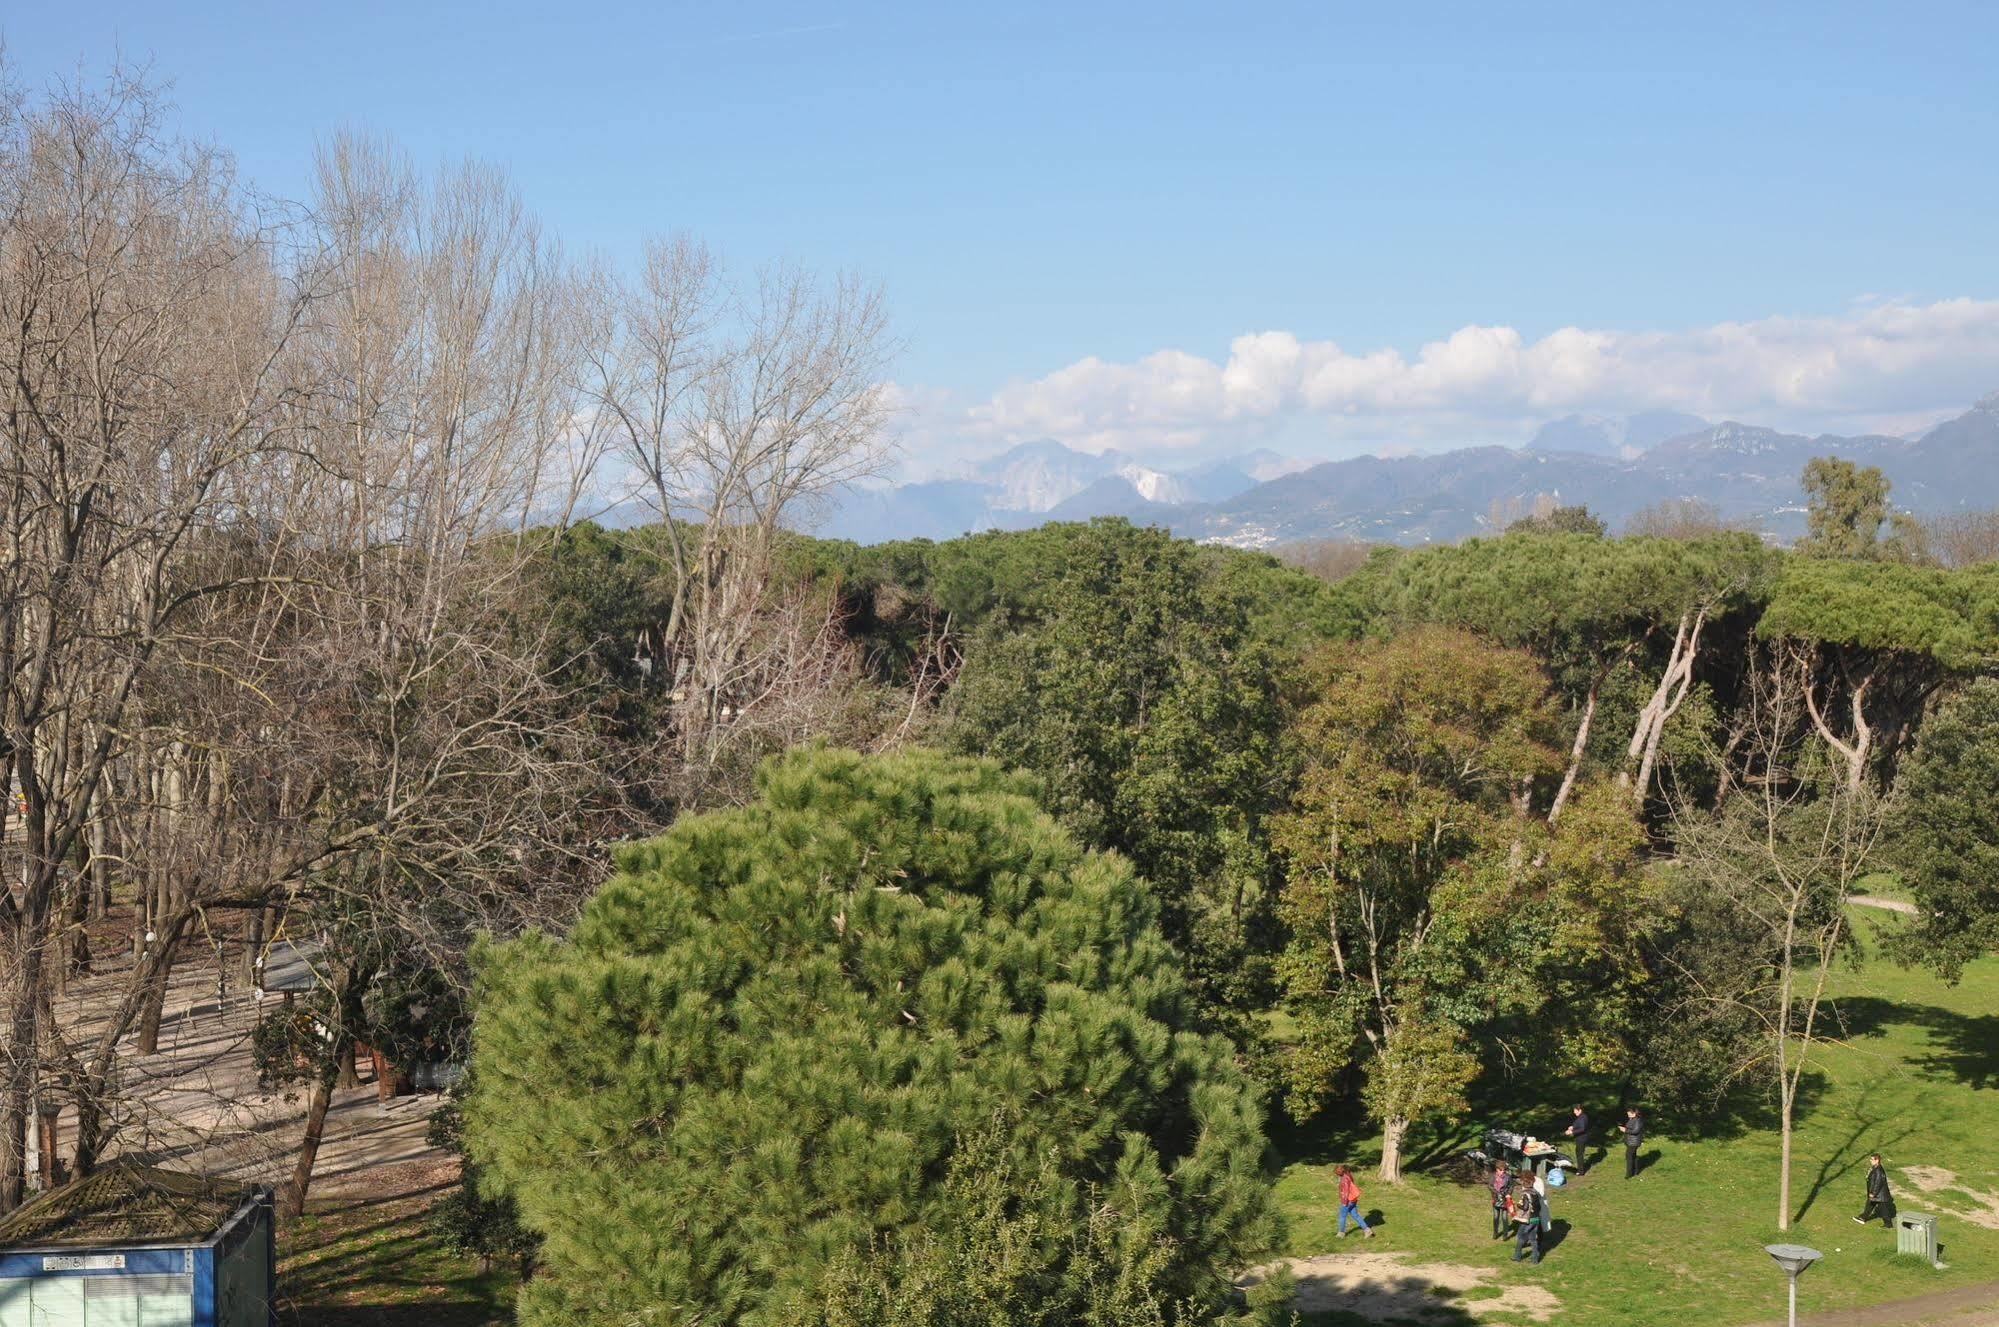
{"x":1747,"y":472}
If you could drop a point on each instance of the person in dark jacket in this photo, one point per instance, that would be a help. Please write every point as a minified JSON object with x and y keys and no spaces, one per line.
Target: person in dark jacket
{"x":1579,"y":1130}
{"x":1879,"y":1201}
{"x":1526,"y":1213}
{"x":1499,"y":1183}
{"x":1634,"y":1134}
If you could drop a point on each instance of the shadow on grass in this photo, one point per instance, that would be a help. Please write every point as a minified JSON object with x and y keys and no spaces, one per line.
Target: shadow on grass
{"x":386,"y":1253}
{"x":390,"y":1315}
{"x":1963,"y":1047}
{"x":1527,"y":1105}
{"x":1864,"y":1135}
{"x":1432,"y":1314}
{"x":1334,"y":1300}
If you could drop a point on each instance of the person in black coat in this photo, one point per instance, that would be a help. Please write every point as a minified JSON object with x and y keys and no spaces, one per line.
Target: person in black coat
{"x":1579,"y":1130}
{"x":1879,"y":1201}
{"x":1634,"y":1134}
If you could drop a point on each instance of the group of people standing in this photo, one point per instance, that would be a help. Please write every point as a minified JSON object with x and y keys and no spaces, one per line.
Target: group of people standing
{"x":1633,"y":1129}
{"x":1520,"y":1202}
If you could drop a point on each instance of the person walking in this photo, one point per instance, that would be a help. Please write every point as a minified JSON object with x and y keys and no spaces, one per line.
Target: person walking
{"x":1500,"y":1181}
{"x":1634,"y":1134}
{"x":1349,"y":1200}
{"x":1879,"y":1201}
{"x":1526,"y":1211}
{"x":1579,"y":1130}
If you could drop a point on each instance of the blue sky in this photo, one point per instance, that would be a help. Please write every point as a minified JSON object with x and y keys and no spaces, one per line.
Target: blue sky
{"x":1046,"y":188}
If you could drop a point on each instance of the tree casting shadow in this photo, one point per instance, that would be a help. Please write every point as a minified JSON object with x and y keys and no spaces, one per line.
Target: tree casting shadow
{"x":1963,"y":1047}
{"x":387,"y":1315}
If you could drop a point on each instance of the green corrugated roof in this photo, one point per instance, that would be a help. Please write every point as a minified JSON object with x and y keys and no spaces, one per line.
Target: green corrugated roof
{"x":121,"y":1204}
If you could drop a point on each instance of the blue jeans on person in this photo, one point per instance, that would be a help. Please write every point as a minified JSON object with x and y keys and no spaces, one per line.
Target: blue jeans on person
{"x":1353,"y":1210}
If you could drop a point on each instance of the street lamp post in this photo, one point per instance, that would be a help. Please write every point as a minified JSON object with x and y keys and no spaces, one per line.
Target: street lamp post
{"x":1793,"y":1258}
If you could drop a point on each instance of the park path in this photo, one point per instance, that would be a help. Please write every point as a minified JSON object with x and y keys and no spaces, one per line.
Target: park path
{"x":1885,"y":904}
{"x":196,"y":1103}
{"x":1965,"y":1306}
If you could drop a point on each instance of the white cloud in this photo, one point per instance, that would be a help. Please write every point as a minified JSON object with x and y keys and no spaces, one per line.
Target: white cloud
{"x":1891,"y":364}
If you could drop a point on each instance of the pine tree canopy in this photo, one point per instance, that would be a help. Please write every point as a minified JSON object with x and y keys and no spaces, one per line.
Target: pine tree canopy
{"x":1951,"y":617}
{"x":752,"y":1060}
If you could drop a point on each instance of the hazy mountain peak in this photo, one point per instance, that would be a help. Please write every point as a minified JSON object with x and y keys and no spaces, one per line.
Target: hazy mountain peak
{"x":1156,"y":485}
{"x":1602,"y":435}
{"x":1040,"y":475}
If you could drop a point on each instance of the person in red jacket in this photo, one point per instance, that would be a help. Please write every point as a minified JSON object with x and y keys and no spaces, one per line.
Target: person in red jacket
{"x":1349,"y":1200}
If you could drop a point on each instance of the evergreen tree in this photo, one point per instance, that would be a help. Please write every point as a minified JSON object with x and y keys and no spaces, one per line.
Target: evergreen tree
{"x":1946,"y":830}
{"x":1845,"y":507}
{"x":753,"y":1058}
{"x":1143,"y":691}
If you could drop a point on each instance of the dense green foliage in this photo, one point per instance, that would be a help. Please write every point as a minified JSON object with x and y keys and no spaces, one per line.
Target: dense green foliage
{"x":1142,"y":687}
{"x":752,"y":1060}
{"x":1947,"y":830}
{"x":1428,"y":835}
{"x":1562,"y":520}
{"x":1925,"y":614}
{"x":1428,"y":899}
{"x":1846,"y":505}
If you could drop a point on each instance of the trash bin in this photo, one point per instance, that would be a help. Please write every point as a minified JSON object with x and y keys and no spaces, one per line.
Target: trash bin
{"x":1916,"y":1232}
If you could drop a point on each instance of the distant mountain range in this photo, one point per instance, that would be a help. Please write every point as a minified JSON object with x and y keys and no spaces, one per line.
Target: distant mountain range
{"x":1043,"y":481}
{"x":1613,"y":466}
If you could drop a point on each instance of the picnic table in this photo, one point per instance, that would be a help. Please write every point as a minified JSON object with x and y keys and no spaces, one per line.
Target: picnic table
{"x":1536,"y":1156}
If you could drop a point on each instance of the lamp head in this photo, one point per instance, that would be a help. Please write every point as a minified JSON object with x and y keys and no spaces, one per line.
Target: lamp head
{"x":1793,"y":1258}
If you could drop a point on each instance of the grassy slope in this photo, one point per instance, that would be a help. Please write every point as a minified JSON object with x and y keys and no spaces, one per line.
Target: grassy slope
{"x":1919,"y":1082}
{"x":381,"y":1265}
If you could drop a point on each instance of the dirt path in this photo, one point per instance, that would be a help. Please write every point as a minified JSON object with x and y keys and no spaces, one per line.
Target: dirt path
{"x":1885,"y":904}
{"x":1390,"y":1287}
{"x":195,"y":1104}
{"x":1965,"y":1306}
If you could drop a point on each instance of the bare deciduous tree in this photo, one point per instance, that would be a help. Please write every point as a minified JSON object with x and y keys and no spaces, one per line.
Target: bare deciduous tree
{"x":275,"y":486}
{"x":147,"y":321}
{"x":1780,"y":858}
{"x":736,"y":413}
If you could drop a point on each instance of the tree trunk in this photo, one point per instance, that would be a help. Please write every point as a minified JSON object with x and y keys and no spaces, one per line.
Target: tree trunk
{"x":253,"y":947}
{"x":1665,"y":702}
{"x":89,"y":1130}
{"x":1392,"y":1133}
{"x":1784,"y":1161}
{"x":77,"y":931}
{"x":1575,"y":757}
{"x":48,"y":1126}
{"x":291,"y":1204}
{"x":142,"y":916}
{"x":156,"y":998}
{"x":23,"y":1052}
{"x":99,"y":869}
{"x":13,"y":1151}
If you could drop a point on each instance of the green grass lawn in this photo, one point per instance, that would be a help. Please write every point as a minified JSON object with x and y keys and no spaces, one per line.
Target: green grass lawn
{"x":1917,"y":1081}
{"x":381,"y":1265}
